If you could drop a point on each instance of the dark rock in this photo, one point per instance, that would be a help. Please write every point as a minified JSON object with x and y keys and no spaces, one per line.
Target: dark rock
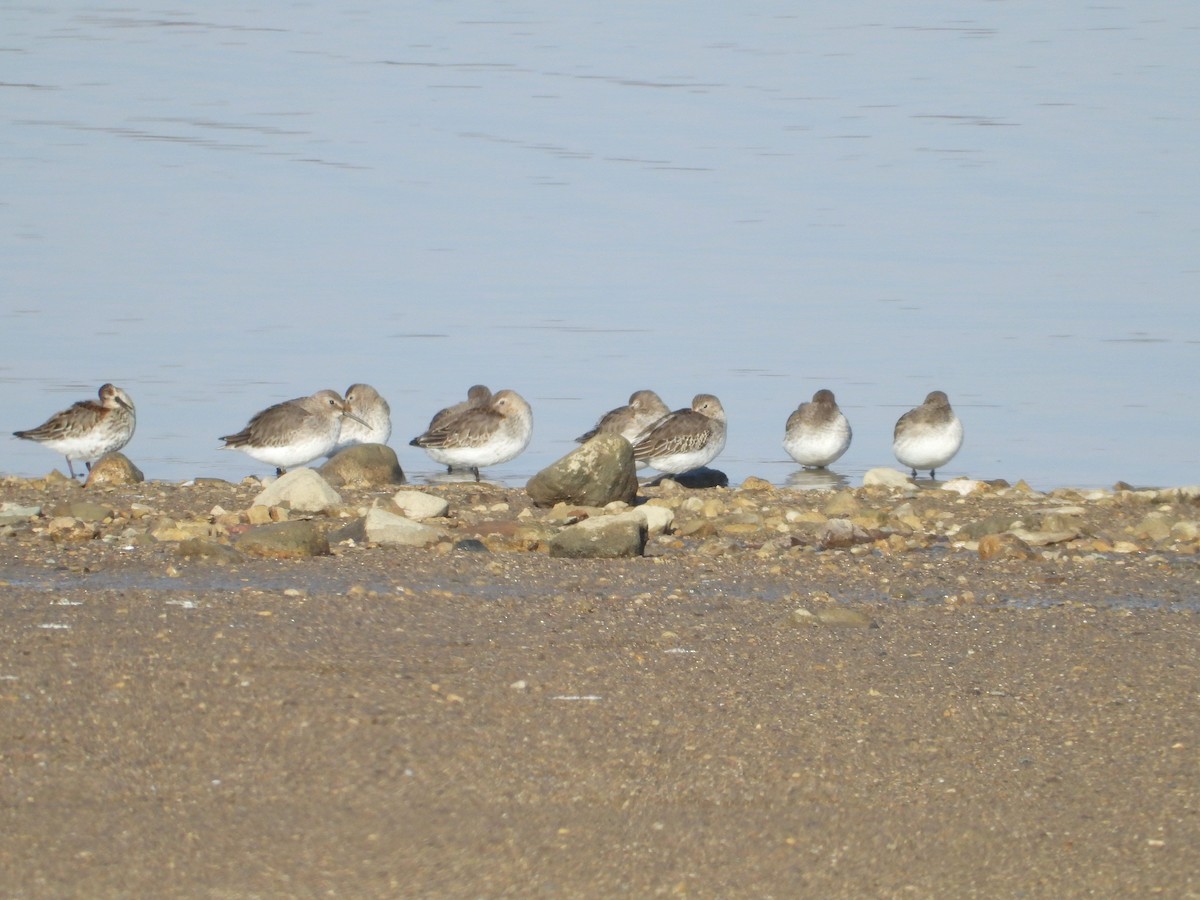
{"x":354,"y":530}
{"x":284,"y":540}
{"x":595,"y":474}
{"x":602,"y":538}
{"x":471,"y":545}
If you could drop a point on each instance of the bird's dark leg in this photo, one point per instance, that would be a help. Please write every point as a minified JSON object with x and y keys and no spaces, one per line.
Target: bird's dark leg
{"x":932,"y":475}
{"x":280,"y":470}
{"x":71,"y":469}
{"x":475,"y":469}
{"x":914,"y":473}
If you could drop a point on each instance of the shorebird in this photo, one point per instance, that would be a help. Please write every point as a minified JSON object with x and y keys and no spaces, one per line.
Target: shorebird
{"x":928,"y":436}
{"x":373,"y":424}
{"x":685,"y":439}
{"x":87,"y":430}
{"x":644,"y":409}
{"x":293,"y":432}
{"x":478,"y":436}
{"x":477,"y":395}
{"x":817,"y":432}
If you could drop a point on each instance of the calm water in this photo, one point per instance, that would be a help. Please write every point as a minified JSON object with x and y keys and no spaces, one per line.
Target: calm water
{"x":219,"y":206}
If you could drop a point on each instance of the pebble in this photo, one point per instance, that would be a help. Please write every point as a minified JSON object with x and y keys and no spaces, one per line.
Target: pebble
{"x":833,"y":616}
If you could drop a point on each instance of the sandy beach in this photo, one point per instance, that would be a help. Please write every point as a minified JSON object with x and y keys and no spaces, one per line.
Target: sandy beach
{"x":752,"y":709}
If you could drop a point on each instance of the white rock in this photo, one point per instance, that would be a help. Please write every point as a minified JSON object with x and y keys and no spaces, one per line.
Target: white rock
{"x":962,"y":486}
{"x":383,"y":527}
{"x":657,"y":519}
{"x":419,"y":505}
{"x":886,"y":477}
{"x":302,"y":490}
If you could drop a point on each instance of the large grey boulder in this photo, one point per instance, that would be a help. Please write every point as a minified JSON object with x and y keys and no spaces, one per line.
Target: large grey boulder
{"x":595,"y":474}
{"x":364,"y":466}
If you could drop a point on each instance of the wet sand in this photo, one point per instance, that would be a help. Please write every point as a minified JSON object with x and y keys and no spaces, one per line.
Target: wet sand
{"x":436,"y":722}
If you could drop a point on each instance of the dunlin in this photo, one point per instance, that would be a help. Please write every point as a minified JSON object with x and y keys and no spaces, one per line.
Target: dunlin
{"x":685,"y":439}
{"x":644,"y":409}
{"x":373,"y":424}
{"x":817,"y":433}
{"x":293,"y":432}
{"x":477,"y":395}
{"x":478,"y":436}
{"x":928,"y":436}
{"x":87,"y":430}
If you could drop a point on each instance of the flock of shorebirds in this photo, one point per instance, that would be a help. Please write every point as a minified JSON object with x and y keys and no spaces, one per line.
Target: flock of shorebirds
{"x":487,"y":429}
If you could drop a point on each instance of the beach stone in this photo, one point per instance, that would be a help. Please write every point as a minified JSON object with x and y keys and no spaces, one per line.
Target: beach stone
{"x":383,"y":527}
{"x":16,"y":514}
{"x":113,"y":469}
{"x":607,"y":537}
{"x":754,"y":483}
{"x":68,"y":528}
{"x":1186,"y":531}
{"x":83,"y":510}
{"x":842,"y":504}
{"x":841,"y":617}
{"x":838,"y":534}
{"x":886,"y":477}
{"x":964,"y":486}
{"x":364,"y":466}
{"x":656,"y":522}
{"x":1154,"y":527}
{"x":595,"y":474}
{"x":208,"y":551}
{"x":973,"y":531}
{"x":658,"y":519}
{"x":301,"y":490}
{"x":1059,"y":521}
{"x":1003,"y":546}
{"x":1044,"y":538}
{"x":418,"y":505}
{"x":284,"y":540}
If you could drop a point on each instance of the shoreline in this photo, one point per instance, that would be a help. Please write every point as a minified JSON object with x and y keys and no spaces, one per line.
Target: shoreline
{"x":740,"y":712}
